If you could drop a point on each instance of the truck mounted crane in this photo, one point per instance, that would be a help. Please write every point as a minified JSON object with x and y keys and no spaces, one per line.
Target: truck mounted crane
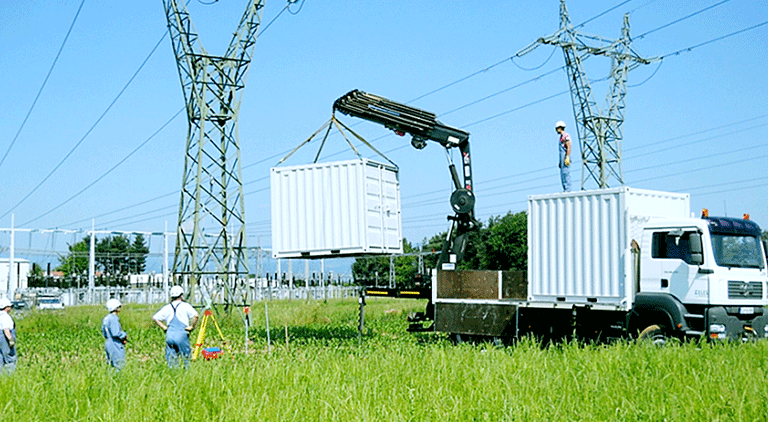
{"x":423,"y":126}
{"x":602,"y":265}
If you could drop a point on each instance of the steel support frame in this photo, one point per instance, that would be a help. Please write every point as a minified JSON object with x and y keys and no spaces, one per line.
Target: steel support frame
{"x":211,"y":240}
{"x":599,"y":132}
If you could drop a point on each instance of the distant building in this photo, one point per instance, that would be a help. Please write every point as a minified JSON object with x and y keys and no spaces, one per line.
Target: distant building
{"x":144,"y":280}
{"x":22,"y":275}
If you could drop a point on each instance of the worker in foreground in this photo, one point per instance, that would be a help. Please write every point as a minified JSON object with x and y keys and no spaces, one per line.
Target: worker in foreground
{"x":565,"y":156}
{"x":177,"y":319}
{"x":114,"y":336}
{"x":7,"y":338}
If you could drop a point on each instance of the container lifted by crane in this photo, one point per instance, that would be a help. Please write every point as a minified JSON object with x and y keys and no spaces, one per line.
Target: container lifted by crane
{"x":423,"y":126}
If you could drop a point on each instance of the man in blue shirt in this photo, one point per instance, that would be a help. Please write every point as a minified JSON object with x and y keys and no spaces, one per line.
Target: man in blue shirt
{"x":114,"y":336}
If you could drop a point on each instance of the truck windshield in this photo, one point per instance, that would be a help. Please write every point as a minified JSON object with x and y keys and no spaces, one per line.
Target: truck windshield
{"x":733,"y":250}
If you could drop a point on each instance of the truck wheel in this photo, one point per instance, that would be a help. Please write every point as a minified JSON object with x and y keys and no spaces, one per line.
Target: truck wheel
{"x":655,"y":334}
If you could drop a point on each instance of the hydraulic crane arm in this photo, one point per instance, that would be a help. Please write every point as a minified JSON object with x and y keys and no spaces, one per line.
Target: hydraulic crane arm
{"x":423,"y":126}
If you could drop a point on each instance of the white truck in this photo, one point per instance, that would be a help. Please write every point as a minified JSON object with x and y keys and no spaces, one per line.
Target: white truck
{"x":616,"y":263}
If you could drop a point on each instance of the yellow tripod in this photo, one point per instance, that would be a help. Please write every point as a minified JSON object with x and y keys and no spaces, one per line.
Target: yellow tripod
{"x":212,"y":354}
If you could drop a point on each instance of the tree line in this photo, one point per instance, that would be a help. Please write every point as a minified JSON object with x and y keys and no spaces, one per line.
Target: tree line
{"x":115,"y":258}
{"x":501,"y":244}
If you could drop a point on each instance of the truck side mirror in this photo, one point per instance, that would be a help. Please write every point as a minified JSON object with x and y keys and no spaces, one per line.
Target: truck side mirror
{"x":697,"y":251}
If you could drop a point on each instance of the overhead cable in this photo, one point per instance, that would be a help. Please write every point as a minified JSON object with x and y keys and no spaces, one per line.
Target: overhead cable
{"x":680,"y":20}
{"x":504,"y":60}
{"x":45,"y":81}
{"x":99,"y":120}
{"x":685,"y":50}
{"x":88,"y":132}
{"x":108,"y":171}
{"x":601,"y":14}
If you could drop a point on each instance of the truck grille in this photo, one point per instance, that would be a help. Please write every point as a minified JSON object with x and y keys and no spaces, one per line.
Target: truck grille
{"x":745,"y":289}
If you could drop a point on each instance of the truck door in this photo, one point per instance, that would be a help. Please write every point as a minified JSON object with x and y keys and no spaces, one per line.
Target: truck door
{"x":673,"y":266}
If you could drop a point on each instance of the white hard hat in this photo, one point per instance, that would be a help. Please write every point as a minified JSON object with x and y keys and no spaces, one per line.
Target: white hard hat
{"x":113,"y":304}
{"x":4,"y":303}
{"x":560,"y":124}
{"x":176,"y":291}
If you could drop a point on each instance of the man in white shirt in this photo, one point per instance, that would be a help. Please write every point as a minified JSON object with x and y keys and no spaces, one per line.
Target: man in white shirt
{"x":7,"y":338}
{"x":177,"y":319}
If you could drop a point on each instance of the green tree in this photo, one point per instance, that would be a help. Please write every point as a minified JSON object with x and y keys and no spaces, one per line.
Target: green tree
{"x":76,"y":261}
{"x":138,"y":254}
{"x":112,"y":257}
{"x":433,"y":246}
{"x":504,"y":244}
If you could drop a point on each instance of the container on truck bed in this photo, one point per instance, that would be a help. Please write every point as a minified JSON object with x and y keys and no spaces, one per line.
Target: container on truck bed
{"x":616,"y":263}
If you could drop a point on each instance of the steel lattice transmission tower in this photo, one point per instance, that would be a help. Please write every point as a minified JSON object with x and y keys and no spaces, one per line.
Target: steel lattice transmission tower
{"x":599,"y":131}
{"x":210,"y":241}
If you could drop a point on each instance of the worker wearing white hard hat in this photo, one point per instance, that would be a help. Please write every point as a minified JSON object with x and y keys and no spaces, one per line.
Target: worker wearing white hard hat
{"x":114,"y":336}
{"x":177,"y":319}
{"x":7,"y":338}
{"x":564,"y":150}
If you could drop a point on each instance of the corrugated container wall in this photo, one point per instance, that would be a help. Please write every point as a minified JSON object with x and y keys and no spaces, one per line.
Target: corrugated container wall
{"x":335,"y":209}
{"x":579,"y":242}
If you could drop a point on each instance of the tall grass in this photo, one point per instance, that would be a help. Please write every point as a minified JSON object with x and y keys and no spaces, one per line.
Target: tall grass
{"x":323,"y":372}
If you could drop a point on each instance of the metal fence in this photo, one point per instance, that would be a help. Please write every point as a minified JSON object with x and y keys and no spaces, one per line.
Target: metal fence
{"x":150,"y":295}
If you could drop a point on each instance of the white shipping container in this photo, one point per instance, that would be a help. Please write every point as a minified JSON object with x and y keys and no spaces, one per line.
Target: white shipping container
{"x":335,"y":209}
{"x":579,"y":242}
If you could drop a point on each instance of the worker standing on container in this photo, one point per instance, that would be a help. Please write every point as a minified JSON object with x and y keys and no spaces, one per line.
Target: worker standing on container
{"x":114,"y":336}
{"x":7,"y":338}
{"x":177,"y":319}
{"x":565,"y":155}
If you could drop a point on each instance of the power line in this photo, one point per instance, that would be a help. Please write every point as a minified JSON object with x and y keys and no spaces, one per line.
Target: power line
{"x":681,"y":19}
{"x":601,"y":14}
{"x":481,"y":71}
{"x":498,"y":63}
{"x":685,"y":50}
{"x":45,"y":81}
{"x":88,"y":132}
{"x":108,"y":171}
{"x":100,"y":118}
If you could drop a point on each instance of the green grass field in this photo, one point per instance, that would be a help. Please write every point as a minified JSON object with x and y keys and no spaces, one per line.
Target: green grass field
{"x":322,"y":371}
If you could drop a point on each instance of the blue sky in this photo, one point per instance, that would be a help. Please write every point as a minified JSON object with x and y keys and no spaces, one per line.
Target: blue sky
{"x":695,"y":121}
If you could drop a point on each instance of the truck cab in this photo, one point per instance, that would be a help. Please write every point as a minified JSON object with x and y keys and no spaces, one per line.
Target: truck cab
{"x":712,"y":269}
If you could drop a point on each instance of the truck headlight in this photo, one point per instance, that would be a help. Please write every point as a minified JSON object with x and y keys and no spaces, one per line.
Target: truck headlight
{"x":765,"y":331}
{"x":716,"y":330}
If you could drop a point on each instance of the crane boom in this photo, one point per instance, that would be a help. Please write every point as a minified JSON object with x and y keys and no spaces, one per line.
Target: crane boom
{"x":423,"y":126}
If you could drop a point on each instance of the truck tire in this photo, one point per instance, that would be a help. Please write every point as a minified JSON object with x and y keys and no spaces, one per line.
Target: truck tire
{"x":655,"y":334}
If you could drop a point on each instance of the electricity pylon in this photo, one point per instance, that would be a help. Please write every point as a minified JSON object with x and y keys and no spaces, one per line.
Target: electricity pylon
{"x":210,"y":241}
{"x":599,"y":131}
